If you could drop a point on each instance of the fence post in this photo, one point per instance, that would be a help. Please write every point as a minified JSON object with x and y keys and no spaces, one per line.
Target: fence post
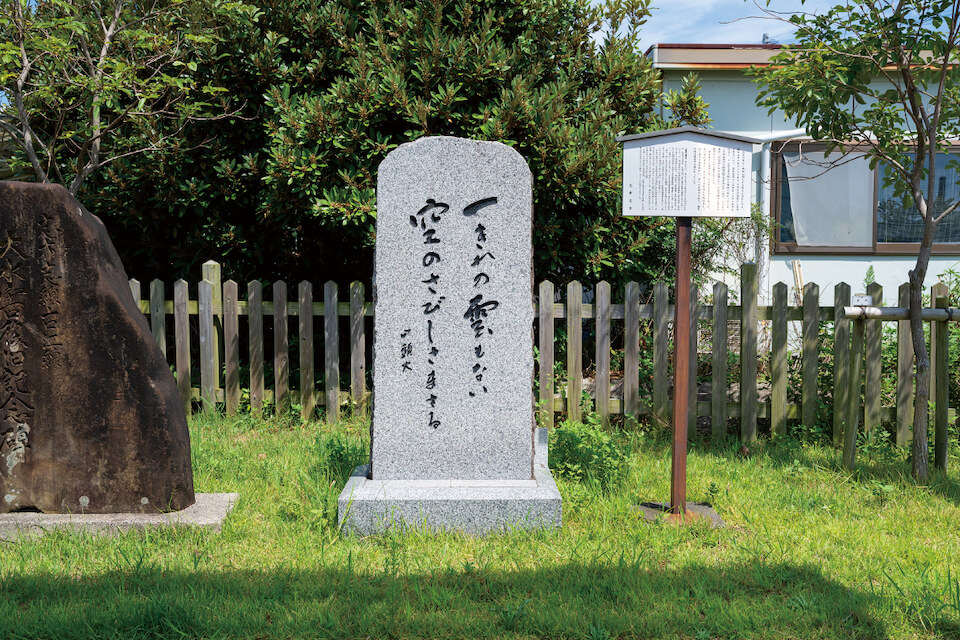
{"x":211,"y":273}
{"x":574,"y":349}
{"x":841,"y":359}
{"x":255,"y":330}
{"x":778,"y":361}
{"x":135,"y":291}
{"x":939,"y":369}
{"x":281,"y":354}
{"x":873,"y":343}
{"x":904,"y":372}
{"x":305,"y":329}
{"x":231,"y":347}
{"x":331,"y":351}
{"x":718,"y":385}
{"x":546,"y":354}
{"x":601,"y":318}
{"x":358,"y":348}
{"x":208,"y":396}
{"x":631,"y":349}
{"x":181,"y":329}
{"x":158,"y":315}
{"x":748,"y":352}
{"x":661,"y":355}
{"x":853,"y":398}
{"x":810,"y":356}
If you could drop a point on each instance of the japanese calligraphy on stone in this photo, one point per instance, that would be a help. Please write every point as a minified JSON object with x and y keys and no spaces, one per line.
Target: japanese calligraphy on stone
{"x":453,"y":356}
{"x":16,"y":401}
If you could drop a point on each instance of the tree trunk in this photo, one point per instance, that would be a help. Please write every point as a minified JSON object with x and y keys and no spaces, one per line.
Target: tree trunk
{"x":921,"y":412}
{"x":921,"y":398}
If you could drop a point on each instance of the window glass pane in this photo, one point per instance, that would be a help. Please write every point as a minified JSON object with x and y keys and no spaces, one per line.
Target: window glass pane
{"x":786,"y":213}
{"x":829,"y":198}
{"x":897,"y":217}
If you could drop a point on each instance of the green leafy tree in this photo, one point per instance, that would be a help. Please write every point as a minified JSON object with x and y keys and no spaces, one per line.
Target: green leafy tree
{"x":86,"y":82}
{"x":324,"y":90}
{"x":882,"y":76}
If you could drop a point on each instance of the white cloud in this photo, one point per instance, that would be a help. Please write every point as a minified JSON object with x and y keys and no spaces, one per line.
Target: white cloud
{"x":720,"y":21}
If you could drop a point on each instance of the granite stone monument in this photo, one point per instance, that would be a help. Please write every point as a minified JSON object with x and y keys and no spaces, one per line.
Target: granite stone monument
{"x":90,"y":420}
{"x":454,"y":442}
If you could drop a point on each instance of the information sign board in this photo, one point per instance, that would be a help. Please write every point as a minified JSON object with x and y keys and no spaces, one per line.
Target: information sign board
{"x":687,"y":172}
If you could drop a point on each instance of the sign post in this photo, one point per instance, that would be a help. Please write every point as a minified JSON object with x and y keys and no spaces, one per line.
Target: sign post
{"x":685,"y":173}
{"x":681,"y":369}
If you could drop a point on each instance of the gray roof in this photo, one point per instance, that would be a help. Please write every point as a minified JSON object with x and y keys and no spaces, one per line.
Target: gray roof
{"x":688,"y":129}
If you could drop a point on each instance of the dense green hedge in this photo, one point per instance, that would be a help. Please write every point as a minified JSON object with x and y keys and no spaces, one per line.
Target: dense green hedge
{"x":325,"y":89}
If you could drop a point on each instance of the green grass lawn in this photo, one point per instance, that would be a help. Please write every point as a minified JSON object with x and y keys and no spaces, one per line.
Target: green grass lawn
{"x":810,"y":551}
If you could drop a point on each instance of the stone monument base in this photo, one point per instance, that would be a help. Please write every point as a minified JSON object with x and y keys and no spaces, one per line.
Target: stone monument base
{"x":208,"y":512}
{"x":471,"y":506}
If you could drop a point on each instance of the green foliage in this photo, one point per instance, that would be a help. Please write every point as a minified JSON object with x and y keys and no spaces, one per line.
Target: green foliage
{"x":324,"y":90}
{"x":828,"y":83}
{"x":584,"y":451}
{"x":86,"y":81}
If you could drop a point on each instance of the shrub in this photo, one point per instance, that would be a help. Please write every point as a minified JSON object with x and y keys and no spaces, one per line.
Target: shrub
{"x":584,"y":451}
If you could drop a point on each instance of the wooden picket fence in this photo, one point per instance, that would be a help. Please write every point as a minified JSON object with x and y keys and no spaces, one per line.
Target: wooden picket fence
{"x":219,"y":309}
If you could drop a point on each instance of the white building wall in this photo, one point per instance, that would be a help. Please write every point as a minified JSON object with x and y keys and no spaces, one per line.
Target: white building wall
{"x":732,"y":99}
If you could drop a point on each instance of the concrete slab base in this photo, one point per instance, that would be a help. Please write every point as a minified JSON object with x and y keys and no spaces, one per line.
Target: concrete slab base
{"x":472,"y":506}
{"x":209,"y":511}
{"x":696,"y":512}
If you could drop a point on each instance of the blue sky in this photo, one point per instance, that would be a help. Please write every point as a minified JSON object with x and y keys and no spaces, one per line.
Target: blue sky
{"x":720,"y":21}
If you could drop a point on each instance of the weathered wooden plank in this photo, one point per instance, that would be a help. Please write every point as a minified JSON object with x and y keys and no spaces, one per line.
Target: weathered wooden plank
{"x":692,"y":364}
{"x":873,"y":343}
{"x":212,"y":274}
{"x":181,"y":329}
{"x":281,"y":353}
{"x":305,"y":331}
{"x":905,"y":378}
{"x":748,"y":352}
{"x":546,"y":354}
{"x":841,"y":359}
{"x":778,"y":361}
{"x":358,"y":349}
{"x":662,"y":312}
{"x":940,"y":371}
{"x":718,"y":384}
{"x":255,"y":332}
{"x":331,"y":353}
{"x":135,"y":291}
{"x":231,"y":347}
{"x":851,"y":425}
{"x":574,"y":350}
{"x":825,"y":314}
{"x":208,"y":387}
{"x":887,"y":413}
{"x":602,"y":379}
{"x":158,"y":319}
{"x":809,"y":400}
{"x":764,"y":313}
{"x":631,"y":349}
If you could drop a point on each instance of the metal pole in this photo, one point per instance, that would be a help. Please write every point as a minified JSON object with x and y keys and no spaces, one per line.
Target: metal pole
{"x":681,"y":380}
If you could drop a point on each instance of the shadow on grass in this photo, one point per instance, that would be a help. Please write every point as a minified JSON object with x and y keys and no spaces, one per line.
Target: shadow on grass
{"x":622,"y":600}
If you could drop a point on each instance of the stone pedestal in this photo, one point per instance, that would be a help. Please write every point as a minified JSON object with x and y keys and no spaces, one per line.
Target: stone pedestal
{"x":472,"y":506}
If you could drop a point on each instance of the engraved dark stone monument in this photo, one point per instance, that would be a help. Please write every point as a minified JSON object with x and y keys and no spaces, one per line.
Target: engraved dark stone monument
{"x":90,"y":420}
{"x":455,"y":445}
